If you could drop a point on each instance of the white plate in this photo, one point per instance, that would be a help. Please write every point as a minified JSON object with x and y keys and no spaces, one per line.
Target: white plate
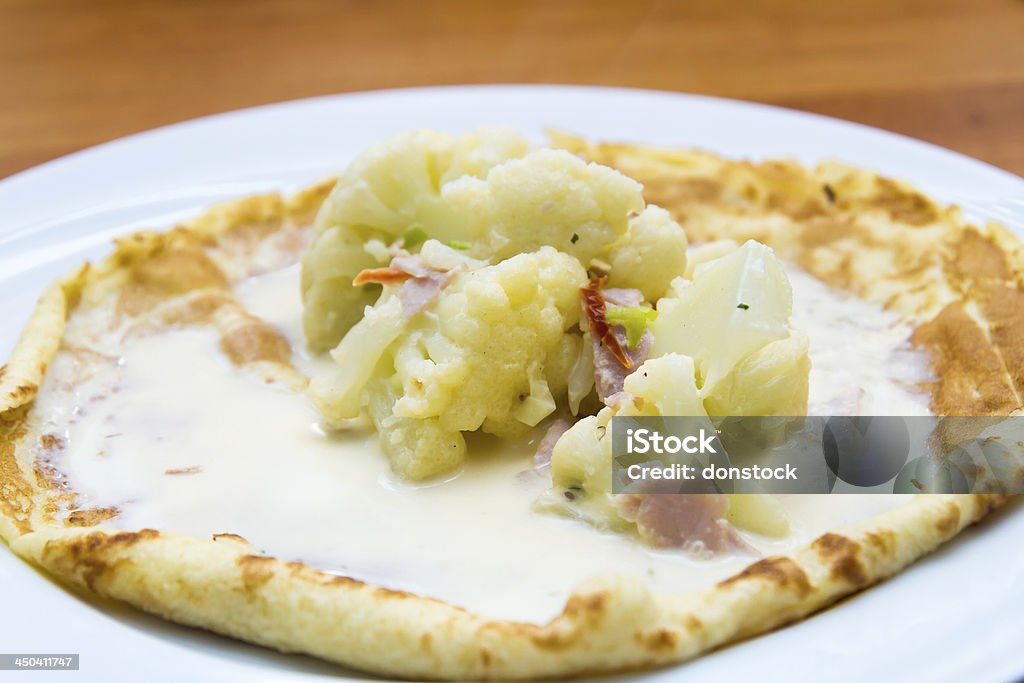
{"x":954,"y":616}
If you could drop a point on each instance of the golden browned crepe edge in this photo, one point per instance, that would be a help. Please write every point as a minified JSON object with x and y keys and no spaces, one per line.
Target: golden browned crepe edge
{"x":609,"y":624}
{"x":223,"y":585}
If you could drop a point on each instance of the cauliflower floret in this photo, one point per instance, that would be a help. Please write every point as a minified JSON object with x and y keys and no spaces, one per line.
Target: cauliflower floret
{"x":734,"y":306}
{"x":484,"y":190}
{"x":399,"y":183}
{"x":581,"y":474}
{"x":482,"y":359}
{"x":548,"y":197}
{"x":392,"y":187}
{"x":771,"y":381}
{"x":581,"y":462}
{"x":708,"y":251}
{"x":416,"y":448}
{"x":492,"y":353}
{"x":722,"y":346}
{"x":650,"y":255}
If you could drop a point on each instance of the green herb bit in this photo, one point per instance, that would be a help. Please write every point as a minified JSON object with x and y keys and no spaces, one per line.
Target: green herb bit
{"x":634,"y":320}
{"x":575,"y":238}
{"x":742,"y":307}
{"x":414,"y":237}
{"x":459,"y":244}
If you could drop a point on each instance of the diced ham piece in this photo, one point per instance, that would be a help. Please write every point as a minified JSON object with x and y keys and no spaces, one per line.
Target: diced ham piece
{"x":413,"y":265}
{"x":629,"y":298}
{"x":694,"y":521}
{"x":609,"y":372}
{"x":421,"y":284}
{"x":542,"y":458}
{"x":416,"y":293}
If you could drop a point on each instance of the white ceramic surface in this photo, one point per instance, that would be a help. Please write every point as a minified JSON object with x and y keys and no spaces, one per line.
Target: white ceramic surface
{"x":955,"y":616}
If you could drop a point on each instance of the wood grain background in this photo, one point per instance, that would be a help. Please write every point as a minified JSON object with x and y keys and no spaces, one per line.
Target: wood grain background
{"x":78,"y":72}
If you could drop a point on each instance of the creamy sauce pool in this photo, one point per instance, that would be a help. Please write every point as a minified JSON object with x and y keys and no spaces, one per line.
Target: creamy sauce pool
{"x":861,"y":359}
{"x":184,"y":442}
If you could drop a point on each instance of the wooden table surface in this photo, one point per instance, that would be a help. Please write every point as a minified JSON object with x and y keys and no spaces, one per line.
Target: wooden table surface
{"x":79,"y":72}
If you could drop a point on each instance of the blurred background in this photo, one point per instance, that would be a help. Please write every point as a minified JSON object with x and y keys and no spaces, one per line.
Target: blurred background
{"x":79,"y":72}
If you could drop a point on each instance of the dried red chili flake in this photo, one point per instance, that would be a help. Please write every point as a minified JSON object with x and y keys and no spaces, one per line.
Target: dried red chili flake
{"x":594,"y":307}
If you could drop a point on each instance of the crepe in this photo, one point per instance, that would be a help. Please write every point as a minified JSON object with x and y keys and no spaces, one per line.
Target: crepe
{"x":957,"y":284}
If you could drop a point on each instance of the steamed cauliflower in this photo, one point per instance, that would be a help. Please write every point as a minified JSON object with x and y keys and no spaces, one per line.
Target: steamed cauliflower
{"x":721,"y":346}
{"x":445,"y":275}
{"x":734,"y":305}
{"x":548,"y":197}
{"x":771,"y":381}
{"x":650,"y":256}
{"x":486,"y":192}
{"x":493,"y":352}
{"x":392,"y":187}
{"x":581,"y":462}
{"x":484,"y":359}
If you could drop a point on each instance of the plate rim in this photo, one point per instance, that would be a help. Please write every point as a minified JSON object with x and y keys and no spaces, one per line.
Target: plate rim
{"x":214,"y":118}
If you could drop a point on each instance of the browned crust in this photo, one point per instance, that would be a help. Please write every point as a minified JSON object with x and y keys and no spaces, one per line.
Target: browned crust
{"x":782,"y":572}
{"x":255,"y":341}
{"x":221,"y":584}
{"x":91,"y":516}
{"x":16,"y":493}
{"x":843,"y":558}
{"x":951,"y":336}
{"x":164,"y":270}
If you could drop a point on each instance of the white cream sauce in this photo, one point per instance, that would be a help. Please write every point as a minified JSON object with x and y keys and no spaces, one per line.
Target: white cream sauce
{"x":861,"y":359}
{"x":259,"y":466}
